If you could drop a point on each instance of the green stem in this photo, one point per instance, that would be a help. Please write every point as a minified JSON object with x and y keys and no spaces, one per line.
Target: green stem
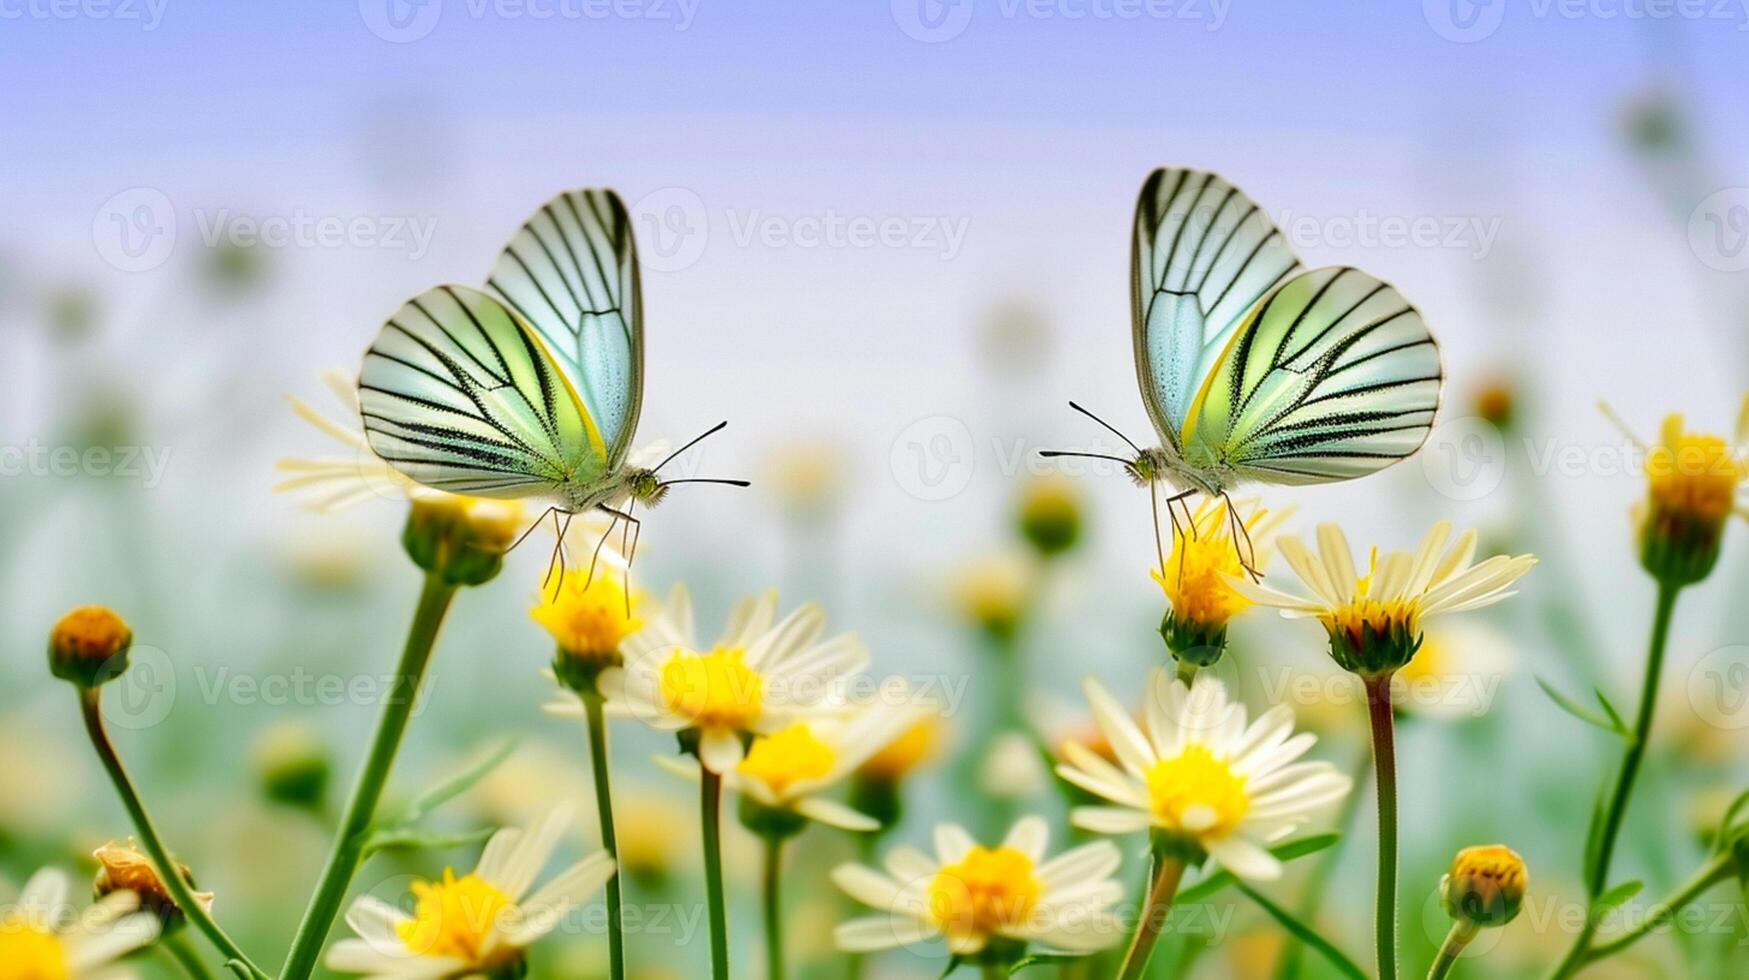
{"x":1311,"y":899}
{"x":773,"y":907}
{"x":1186,"y":671}
{"x":592,"y":706}
{"x":177,"y":948}
{"x":355,"y":822}
{"x":1168,"y":872}
{"x":1384,"y":754}
{"x":1720,"y":868}
{"x":1597,"y":875}
{"x":1460,"y":935}
{"x":710,"y":799}
{"x":90,"y":708}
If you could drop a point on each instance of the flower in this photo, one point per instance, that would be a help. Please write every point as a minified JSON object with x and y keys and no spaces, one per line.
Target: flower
{"x":1485,"y":886}
{"x":125,"y":868}
{"x":588,"y":617}
{"x":292,"y":764}
{"x":1200,"y":774}
{"x":335,"y":483}
{"x":905,"y":751}
{"x":89,"y":646}
{"x":789,"y":769}
{"x":759,"y":677}
{"x":1692,"y":486}
{"x":460,"y":539}
{"x":41,"y":940}
{"x":1199,"y":573}
{"x":1375,"y":621}
{"x":477,"y":924}
{"x":1050,"y":515}
{"x":978,"y":897}
{"x":993,"y":593}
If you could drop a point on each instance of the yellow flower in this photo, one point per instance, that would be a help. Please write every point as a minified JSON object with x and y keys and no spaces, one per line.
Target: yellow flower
{"x":461,"y":539}
{"x":1485,"y":886}
{"x":589,"y":619}
{"x":1050,"y":515}
{"x":40,"y":938}
{"x":1374,"y":620}
{"x":809,"y":477}
{"x":1692,"y":487}
{"x":993,"y":593}
{"x":89,"y":646}
{"x":905,"y":751}
{"x":974,"y":896}
{"x":1199,"y":573}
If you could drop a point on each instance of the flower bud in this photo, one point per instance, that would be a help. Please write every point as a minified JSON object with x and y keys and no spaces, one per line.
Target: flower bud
{"x":1050,"y":516}
{"x":1692,"y":481}
{"x":89,"y":646}
{"x":124,"y":867}
{"x":994,"y":594}
{"x":1485,"y":886}
{"x":292,"y":765}
{"x":460,"y":539}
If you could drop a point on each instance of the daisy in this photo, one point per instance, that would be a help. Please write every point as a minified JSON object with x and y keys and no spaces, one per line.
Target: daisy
{"x":758,"y":678}
{"x":477,"y":925}
{"x":1375,"y":620}
{"x":1693,"y":485}
{"x":1197,"y":575}
{"x":1200,"y":773}
{"x":41,"y":936}
{"x":987,"y":901}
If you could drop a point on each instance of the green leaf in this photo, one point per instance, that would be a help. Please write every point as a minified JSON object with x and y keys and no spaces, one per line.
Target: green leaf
{"x":1594,"y":834}
{"x":1615,"y":720}
{"x":455,"y":785}
{"x":1581,"y":712}
{"x":1285,"y":851}
{"x":409,"y":839}
{"x":1306,"y":934}
{"x":1043,"y":959}
{"x":1617,"y":895}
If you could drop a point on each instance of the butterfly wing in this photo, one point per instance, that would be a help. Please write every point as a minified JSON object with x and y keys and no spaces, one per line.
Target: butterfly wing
{"x":1334,"y":375}
{"x":1202,"y":255}
{"x":571,"y":273}
{"x":461,"y":394}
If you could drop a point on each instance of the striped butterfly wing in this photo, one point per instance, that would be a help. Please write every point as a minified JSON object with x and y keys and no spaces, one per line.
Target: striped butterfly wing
{"x":1334,"y":375}
{"x":571,"y":273}
{"x":460,"y":394}
{"x":1202,"y":255}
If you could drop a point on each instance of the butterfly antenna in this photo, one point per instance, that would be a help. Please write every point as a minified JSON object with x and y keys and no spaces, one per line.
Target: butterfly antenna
{"x":713,"y":430}
{"x":524,"y":535}
{"x":700,"y":479}
{"x":1108,"y":427}
{"x":1054,"y":453}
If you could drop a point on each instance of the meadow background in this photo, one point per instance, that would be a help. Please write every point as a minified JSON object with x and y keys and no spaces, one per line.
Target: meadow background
{"x":1563,"y":189}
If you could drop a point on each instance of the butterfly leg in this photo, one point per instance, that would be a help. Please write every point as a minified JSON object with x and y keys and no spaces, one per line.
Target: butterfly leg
{"x":1178,"y":530}
{"x":636,"y":528}
{"x":524,"y":535}
{"x":1247,"y":554}
{"x":595,"y":556}
{"x":557,"y":561}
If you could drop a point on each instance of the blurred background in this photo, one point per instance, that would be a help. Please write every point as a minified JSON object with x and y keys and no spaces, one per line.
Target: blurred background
{"x":888,"y":242}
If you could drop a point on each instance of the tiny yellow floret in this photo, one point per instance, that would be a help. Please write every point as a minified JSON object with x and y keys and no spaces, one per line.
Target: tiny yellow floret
{"x":589,"y":618}
{"x":1197,"y":793}
{"x":786,"y":757}
{"x":454,"y":917}
{"x":987,"y":891}
{"x":716,"y":690}
{"x":28,"y":953}
{"x":1693,"y":474}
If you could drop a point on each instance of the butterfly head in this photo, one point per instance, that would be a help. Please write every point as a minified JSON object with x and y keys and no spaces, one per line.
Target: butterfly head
{"x":1149,"y":467}
{"x":645,"y":486}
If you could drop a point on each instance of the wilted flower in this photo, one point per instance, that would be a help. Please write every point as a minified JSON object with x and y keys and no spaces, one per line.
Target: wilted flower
{"x":126,"y":868}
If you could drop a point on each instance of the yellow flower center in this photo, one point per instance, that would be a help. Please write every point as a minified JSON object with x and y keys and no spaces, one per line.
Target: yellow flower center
{"x":990,"y":890}
{"x":714,"y":690}
{"x":786,"y":757}
{"x":1694,"y":474}
{"x":1382,"y":616}
{"x":1195,"y":580}
{"x":454,"y":917}
{"x":588,"y":617}
{"x":904,"y":753}
{"x":28,"y":953}
{"x":1197,"y":792}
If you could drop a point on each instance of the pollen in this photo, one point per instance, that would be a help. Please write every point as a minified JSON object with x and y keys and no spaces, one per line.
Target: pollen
{"x":28,"y":953}
{"x":786,"y":757}
{"x":1693,"y":474}
{"x":588,"y":618}
{"x":454,"y":917}
{"x":716,"y":690}
{"x":990,"y":890}
{"x":1197,"y":792}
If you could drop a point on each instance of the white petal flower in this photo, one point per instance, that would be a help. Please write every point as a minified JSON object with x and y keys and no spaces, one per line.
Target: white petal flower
{"x":1201,"y":771}
{"x":42,"y":936}
{"x":968,"y":895}
{"x":476,"y":924}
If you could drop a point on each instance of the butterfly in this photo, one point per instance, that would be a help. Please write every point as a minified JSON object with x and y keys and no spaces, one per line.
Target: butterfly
{"x":532,"y":386}
{"x":1254,"y":369}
